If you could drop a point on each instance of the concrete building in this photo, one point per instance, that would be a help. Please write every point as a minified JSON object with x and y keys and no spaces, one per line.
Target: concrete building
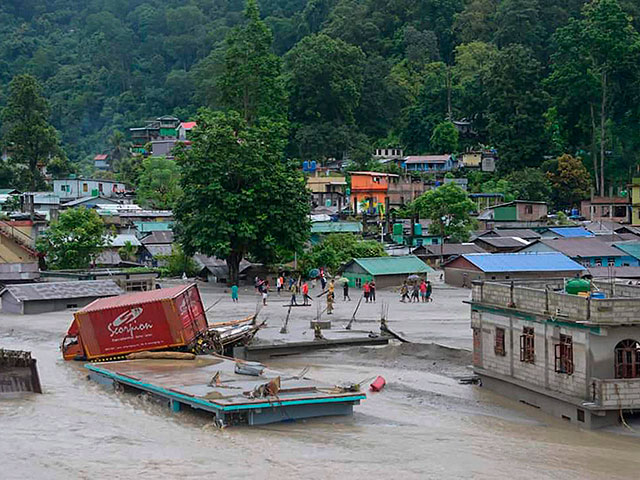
{"x":430,"y":163}
{"x":72,"y":188}
{"x":575,"y":357}
{"x":11,"y":273}
{"x":50,"y":297}
{"x":328,"y":190}
{"x":516,"y":214}
{"x":385,"y":271}
{"x":369,"y":191}
{"x":463,"y":270}
{"x":46,"y":204}
{"x":614,"y":209}
{"x":404,"y":189}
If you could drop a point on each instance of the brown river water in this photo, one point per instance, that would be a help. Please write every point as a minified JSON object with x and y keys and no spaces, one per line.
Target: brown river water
{"x":423,"y":425}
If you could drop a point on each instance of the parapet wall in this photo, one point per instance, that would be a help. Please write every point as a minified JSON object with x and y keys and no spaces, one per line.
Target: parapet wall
{"x":546,"y":299}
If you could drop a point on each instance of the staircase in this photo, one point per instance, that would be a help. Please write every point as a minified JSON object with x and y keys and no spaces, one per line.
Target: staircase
{"x":23,"y":240}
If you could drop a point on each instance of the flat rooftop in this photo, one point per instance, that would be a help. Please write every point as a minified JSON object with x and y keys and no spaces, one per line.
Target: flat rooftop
{"x":547,"y":298}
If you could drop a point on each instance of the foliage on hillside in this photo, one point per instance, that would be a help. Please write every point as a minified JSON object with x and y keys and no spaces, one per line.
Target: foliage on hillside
{"x":538,"y":78}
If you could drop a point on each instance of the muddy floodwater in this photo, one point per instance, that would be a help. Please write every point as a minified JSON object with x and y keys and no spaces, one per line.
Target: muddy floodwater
{"x":423,"y":425}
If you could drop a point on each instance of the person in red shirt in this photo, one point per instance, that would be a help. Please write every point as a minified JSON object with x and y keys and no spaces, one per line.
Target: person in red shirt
{"x":366,"y":290}
{"x":305,"y":293}
{"x":423,"y":291}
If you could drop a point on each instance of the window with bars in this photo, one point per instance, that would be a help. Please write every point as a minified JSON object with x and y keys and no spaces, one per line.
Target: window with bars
{"x":498,"y":347}
{"x":564,"y":355}
{"x":527,"y":345}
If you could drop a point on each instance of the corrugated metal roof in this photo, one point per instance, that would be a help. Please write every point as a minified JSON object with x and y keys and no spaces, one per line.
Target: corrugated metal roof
{"x":121,"y":238}
{"x":136,"y":298}
{"x":144,"y":227}
{"x":570,"y":232}
{"x":450,"y":249}
{"x":503,"y":242}
{"x":525,"y":233}
{"x":630,"y":248}
{"x":615,"y":272}
{"x":61,"y":290}
{"x":158,"y":238}
{"x":156,"y":250}
{"x":523,"y":262}
{"x":426,"y":159}
{"x":582,"y":247}
{"x":336,"y":227}
{"x":399,"y":265}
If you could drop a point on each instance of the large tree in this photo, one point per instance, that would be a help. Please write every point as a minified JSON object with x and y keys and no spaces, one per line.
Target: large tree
{"x":595,"y":81}
{"x":74,"y":240}
{"x":324,"y":78}
{"x":449,"y":209}
{"x":29,"y":138}
{"x":251,"y":82}
{"x":240,"y":196}
{"x":159,"y":183}
{"x":517,"y":104}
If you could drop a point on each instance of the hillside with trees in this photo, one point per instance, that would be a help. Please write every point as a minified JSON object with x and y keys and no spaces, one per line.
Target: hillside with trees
{"x":537,"y":79}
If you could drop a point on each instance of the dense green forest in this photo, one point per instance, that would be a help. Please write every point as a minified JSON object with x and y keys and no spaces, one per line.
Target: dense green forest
{"x":537,"y":78}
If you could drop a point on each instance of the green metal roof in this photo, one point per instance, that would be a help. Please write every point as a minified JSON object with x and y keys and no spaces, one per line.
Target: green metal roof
{"x":336,"y":227}
{"x":630,"y":248}
{"x":144,"y":227}
{"x":401,"y":265}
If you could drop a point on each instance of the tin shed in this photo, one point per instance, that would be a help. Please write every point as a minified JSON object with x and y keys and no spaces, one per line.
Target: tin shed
{"x":385,"y":271}
{"x":50,"y":297}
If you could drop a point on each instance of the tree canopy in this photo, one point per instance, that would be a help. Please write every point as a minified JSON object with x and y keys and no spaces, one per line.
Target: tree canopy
{"x":535,"y":79}
{"x":74,"y":240}
{"x":449,"y":209}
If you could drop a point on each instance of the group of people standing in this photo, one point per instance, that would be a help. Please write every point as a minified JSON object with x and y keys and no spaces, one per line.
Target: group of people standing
{"x":369,"y":290}
{"x":418,"y":292}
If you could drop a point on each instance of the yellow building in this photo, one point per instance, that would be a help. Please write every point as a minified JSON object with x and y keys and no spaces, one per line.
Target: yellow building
{"x":327,"y":190}
{"x":472,"y":159}
{"x":17,"y":244}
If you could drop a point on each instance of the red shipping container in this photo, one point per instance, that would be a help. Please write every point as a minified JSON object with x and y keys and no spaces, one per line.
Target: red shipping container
{"x":153,"y":320}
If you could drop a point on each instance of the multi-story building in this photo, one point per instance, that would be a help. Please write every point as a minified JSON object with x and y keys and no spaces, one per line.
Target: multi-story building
{"x":576,"y":357}
{"x":327,"y":190}
{"x":72,"y":188}
{"x":369,"y":191}
{"x":430,"y":163}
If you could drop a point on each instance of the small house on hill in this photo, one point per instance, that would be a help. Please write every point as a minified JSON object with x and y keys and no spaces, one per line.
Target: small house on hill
{"x":463,"y":270}
{"x":50,"y":297}
{"x":385,"y":271}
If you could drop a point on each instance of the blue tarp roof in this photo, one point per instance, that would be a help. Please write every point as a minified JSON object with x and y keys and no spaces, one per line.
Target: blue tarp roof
{"x":567,"y":232}
{"x":523,"y":262}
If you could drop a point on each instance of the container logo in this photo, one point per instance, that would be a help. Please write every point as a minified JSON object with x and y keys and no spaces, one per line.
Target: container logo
{"x":125,"y":325}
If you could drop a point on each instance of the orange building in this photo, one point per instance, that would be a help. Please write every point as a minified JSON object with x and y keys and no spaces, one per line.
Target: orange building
{"x":369,"y":191}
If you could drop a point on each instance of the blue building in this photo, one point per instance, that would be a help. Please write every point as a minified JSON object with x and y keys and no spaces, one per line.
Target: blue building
{"x":588,"y":251}
{"x":429,"y":163}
